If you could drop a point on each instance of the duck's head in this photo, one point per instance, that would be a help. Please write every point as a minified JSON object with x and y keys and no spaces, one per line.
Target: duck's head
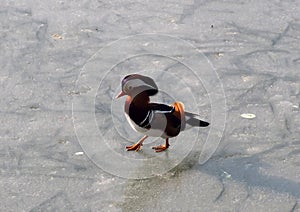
{"x":135,"y":84}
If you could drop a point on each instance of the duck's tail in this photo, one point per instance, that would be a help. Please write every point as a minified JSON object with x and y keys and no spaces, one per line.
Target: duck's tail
{"x":192,"y":120}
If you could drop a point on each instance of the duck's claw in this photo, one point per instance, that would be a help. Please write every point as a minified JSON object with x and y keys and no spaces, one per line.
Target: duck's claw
{"x":135,"y":147}
{"x":138,"y":145}
{"x":160,"y":148}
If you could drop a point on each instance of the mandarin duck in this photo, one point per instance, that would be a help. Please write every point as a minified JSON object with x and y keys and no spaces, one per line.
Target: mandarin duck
{"x":153,"y":119}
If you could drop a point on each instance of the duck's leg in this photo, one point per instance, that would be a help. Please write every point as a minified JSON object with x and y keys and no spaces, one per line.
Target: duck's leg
{"x":138,"y":145}
{"x":162,"y":147}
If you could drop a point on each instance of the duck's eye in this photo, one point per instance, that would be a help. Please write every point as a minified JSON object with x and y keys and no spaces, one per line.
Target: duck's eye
{"x":128,"y":88}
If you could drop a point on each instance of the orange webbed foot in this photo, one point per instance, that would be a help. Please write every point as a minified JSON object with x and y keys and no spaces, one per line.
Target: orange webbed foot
{"x":160,"y":148}
{"x":138,"y":145}
{"x":135,"y":147}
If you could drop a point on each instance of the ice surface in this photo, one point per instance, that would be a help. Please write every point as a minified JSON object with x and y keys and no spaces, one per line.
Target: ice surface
{"x":254,"y":48}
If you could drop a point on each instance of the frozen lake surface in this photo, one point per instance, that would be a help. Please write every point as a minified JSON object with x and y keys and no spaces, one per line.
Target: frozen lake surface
{"x":254,"y":47}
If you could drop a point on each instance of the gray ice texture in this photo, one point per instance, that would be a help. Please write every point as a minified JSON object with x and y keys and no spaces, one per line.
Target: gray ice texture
{"x":254,"y":46}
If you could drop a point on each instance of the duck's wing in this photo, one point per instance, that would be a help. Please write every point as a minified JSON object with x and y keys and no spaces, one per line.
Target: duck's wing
{"x":165,"y":118}
{"x":170,"y":112}
{"x":161,"y":108}
{"x":155,"y":115}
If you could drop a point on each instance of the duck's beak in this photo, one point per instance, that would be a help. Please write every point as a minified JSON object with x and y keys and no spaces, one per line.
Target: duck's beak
{"x":120,"y":94}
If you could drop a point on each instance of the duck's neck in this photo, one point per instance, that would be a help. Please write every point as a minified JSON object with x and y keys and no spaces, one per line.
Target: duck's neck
{"x":140,"y":101}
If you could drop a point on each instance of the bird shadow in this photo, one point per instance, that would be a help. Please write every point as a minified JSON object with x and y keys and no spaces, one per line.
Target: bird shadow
{"x":248,"y":170}
{"x":242,"y":169}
